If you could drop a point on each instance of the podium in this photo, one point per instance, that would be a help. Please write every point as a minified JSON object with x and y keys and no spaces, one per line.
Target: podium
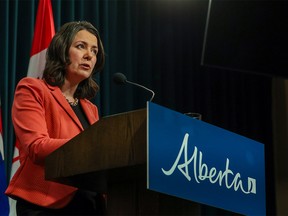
{"x":110,"y":156}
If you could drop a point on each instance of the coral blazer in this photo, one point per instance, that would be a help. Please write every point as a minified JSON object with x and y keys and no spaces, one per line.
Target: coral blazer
{"x":43,"y":121}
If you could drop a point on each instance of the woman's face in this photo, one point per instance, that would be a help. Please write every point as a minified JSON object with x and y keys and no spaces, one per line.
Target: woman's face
{"x":83,"y":57}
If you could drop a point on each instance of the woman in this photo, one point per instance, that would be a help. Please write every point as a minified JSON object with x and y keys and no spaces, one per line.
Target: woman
{"x":48,"y":112}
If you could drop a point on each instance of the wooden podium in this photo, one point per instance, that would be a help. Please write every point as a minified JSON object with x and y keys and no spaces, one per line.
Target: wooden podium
{"x":110,"y":156}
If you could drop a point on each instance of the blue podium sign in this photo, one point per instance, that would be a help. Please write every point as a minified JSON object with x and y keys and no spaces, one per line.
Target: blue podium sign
{"x":197,"y":161}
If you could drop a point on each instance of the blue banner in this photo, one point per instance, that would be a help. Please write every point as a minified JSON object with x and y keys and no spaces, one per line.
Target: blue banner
{"x":197,"y":161}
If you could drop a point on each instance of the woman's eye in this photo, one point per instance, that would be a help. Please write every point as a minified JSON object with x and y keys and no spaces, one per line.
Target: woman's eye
{"x":80,"y":46}
{"x":95,"y":51}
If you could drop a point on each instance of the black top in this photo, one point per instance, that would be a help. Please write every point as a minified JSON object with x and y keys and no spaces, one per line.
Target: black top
{"x":81,"y":116}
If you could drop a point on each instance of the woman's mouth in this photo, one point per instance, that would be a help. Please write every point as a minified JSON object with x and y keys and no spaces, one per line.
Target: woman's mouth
{"x":85,"y":66}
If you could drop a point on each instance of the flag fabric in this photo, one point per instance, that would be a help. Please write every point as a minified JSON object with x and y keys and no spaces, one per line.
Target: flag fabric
{"x":4,"y":206}
{"x":43,"y":33}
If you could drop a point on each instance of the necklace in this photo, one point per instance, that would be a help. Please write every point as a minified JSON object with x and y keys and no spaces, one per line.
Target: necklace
{"x":74,"y":103}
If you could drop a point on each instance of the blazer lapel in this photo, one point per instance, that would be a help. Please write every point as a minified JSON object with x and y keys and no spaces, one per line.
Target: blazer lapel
{"x":57,"y":94}
{"x":88,"y":112}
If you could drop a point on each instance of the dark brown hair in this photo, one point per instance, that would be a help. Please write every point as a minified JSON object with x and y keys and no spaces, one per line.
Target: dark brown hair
{"x":57,"y":58}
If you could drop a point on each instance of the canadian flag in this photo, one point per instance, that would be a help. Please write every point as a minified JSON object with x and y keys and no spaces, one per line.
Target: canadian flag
{"x":43,"y":33}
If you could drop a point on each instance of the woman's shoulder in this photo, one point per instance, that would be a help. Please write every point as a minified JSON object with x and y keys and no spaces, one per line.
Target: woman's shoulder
{"x":32,"y":84}
{"x":31,"y":80}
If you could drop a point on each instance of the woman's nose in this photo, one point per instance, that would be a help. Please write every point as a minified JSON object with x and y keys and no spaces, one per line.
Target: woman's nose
{"x":88,"y":54}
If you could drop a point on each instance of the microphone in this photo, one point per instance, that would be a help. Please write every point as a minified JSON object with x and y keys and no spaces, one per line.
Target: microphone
{"x":121,"y":79}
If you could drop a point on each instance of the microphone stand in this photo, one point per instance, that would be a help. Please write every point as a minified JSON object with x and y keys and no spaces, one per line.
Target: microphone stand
{"x":141,"y":86}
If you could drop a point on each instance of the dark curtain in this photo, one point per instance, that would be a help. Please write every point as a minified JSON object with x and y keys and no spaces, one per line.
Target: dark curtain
{"x":157,"y":43}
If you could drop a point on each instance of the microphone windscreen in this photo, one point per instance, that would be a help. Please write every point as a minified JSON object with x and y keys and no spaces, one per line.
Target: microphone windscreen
{"x":119,"y":78}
